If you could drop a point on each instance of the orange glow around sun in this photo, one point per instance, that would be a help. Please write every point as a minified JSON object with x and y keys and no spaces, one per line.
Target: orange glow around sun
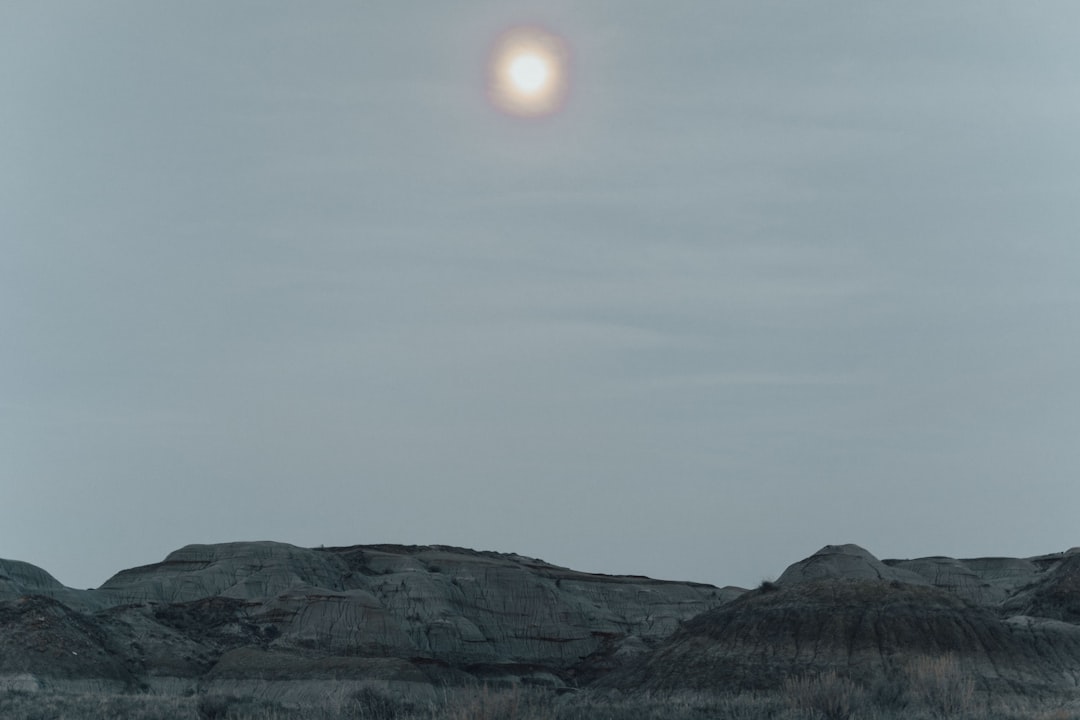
{"x":527,"y":72}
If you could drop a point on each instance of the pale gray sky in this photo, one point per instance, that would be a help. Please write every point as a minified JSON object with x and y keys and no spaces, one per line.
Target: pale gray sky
{"x":779,"y":275}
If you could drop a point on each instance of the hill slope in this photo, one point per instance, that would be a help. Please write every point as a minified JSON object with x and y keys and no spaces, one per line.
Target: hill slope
{"x":262,"y":609}
{"x":282,"y":621}
{"x":842,"y":609}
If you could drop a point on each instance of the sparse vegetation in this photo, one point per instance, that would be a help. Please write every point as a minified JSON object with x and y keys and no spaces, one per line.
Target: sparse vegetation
{"x":213,"y":707}
{"x":371,"y":702}
{"x":940,"y":684}
{"x":828,"y":696}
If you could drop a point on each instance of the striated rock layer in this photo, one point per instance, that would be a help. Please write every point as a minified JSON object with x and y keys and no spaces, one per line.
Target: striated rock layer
{"x":414,"y":614}
{"x":18,"y":579}
{"x":1008,"y":624}
{"x":289,"y":623}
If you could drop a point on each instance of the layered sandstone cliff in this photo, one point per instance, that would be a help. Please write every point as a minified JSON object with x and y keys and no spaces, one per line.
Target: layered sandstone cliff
{"x":1003,"y":622}
{"x":262,"y":609}
{"x":288,"y":622}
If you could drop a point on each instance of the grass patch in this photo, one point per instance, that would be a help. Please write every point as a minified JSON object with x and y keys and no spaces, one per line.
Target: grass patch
{"x":827,"y":696}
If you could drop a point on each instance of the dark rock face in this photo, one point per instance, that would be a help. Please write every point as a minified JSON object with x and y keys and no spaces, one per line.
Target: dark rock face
{"x":454,"y":605}
{"x":958,"y":577}
{"x":849,"y":562}
{"x":1054,"y":595}
{"x":42,"y":636}
{"x":864,"y":628}
{"x":842,"y":609}
{"x":415,"y":614}
{"x":290,"y":622}
{"x":19,"y":578}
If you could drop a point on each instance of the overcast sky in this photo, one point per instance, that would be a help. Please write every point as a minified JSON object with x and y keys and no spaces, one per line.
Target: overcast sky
{"x":778,"y":275}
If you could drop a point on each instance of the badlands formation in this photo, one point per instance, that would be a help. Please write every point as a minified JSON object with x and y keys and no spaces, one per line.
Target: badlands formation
{"x":286,"y":622}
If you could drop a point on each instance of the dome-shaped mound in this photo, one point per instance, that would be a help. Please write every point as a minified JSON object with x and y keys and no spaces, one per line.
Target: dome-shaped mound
{"x":847,"y":562}
{"x":865,"y":629}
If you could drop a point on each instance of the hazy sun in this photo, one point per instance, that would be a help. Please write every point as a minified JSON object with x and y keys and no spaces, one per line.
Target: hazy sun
{"x":527,"y":72}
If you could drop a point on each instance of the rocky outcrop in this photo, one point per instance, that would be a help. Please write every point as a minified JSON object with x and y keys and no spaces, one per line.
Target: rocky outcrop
{"x":18,"y":579}
{"x":1044,"y":585}
{"x":865,"y":629}
{"x":959,"y":578}
{"x":243,"y":570}
{"x":252,"y":610}
{"x":849,"y":562}
{"x":44,"y":638}
{"x":1054,"y":595}
{"x":288,"y":622}
{"x":1008,"y":623}
{"x":458,"y":606}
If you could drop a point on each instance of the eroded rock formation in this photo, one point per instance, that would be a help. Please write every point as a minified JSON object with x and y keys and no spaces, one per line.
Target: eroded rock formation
{"x":1006,"y":623}
{"x":288,"y":622}
{"x":418,"y":614}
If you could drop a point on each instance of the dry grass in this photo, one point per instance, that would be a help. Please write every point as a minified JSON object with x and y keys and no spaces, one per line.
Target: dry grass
{"x":19,"y":705}
{"x":828,"y":696}
{"x":512,"y":704}
{"x":939,"y":684}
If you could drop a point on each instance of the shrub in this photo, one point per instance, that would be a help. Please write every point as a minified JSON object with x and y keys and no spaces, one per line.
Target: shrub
{"x":940,"y":684}
{"x":511,"y":704}
{"x":829,"y":695}
{"x":370,"y":703}
{"x":889,"y":691}
{"x":213,"y":707}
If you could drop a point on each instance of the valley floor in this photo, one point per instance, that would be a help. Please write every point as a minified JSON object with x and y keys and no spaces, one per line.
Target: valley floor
{"x":836,"y":702}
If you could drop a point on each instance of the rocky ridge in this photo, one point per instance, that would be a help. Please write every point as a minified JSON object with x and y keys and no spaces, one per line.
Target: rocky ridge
{"x":287,"y":622}
{"x":1008,"y":623}
{"x":250,"y":611}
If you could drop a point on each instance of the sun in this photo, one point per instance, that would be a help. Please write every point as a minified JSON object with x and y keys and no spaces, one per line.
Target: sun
{"x":527,"y":72}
